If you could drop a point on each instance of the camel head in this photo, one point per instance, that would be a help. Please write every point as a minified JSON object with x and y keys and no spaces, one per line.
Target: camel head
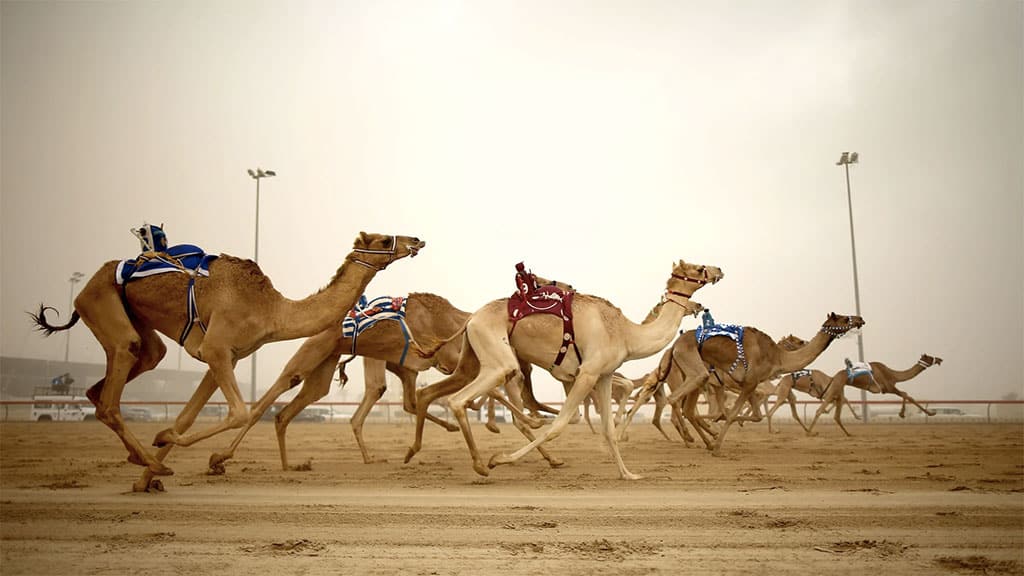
{"x":837,"y":325}
{"x":378,"y":250}
{"x":927,"y":360}
{"x":688,"y":278}
{"x":792,"y":343}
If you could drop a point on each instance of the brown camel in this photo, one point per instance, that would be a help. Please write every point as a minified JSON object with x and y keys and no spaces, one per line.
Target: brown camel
{"x":604,"y":339}
{"x":810,"y":382}
{"x":686,"y":368}
{"x":716,"y":407}
{"x":237,"y":309}
{"x":383,"y":346}
{"x":882,"y":380}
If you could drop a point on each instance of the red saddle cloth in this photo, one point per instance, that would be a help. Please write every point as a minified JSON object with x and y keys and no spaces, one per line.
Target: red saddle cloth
{"x":532,"y":298}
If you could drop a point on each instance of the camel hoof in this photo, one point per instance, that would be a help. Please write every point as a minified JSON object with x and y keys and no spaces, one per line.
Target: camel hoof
{"x":158,"y":469}
{"x":218,"y":459}
{"x":481,"y":469}
{"x":165,"y":437}
{"x":493,"y":427}
{"x":409,"y":454}
{"x":556,"y":462}
{"x":216,"y":469}
{"x":631,"y":476}
{"x":497,"y":460}
{"x":451,"y":427}
{"x":134,"y":459}
{"x":152,"y":486}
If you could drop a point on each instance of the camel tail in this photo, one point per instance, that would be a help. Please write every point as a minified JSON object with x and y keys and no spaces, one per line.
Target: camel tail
{"x":430,"y":350}
{"x":45,"y":327}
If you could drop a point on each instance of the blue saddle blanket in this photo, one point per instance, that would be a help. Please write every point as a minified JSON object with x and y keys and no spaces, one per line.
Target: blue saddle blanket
{"x":858,"y":369}
{"x":731,"y":331}
{"x":183,"y":258}
{"x":368,"y":312}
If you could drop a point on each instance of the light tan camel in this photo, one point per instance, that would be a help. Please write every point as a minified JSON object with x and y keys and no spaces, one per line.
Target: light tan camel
{"x":686,"y":368}
{"x":238,"y":311}
{"x":604,"y":339}
{"x":383,"y":346}
{"x":882,"y":380}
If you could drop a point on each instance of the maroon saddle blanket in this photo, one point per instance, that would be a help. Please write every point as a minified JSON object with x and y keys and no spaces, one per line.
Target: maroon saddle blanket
{"x":532,"y":298}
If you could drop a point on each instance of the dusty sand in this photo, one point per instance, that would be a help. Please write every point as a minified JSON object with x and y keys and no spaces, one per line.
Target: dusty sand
{"x":894,"y":499}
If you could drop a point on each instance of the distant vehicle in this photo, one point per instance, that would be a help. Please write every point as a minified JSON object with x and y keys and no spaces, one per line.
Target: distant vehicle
{"x":137,"y":413}
{"x":309,"y":414}
{"x":59,"y":408}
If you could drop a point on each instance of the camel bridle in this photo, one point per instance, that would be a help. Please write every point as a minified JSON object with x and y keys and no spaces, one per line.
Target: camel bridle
{"x":392,"y":254}
{"x":701,"y":282}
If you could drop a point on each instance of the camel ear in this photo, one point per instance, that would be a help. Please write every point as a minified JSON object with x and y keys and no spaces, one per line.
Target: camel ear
{"x":364,"y":239}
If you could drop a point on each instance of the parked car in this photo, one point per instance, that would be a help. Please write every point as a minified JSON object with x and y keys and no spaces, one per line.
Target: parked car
{"x":137,"y":413}
{"x":309,"y":414}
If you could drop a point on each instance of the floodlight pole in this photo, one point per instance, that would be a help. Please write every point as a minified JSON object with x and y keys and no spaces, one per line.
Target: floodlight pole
{"x":75,"y":278}
{"x":257,"y":175}
{"x":845,"y":160}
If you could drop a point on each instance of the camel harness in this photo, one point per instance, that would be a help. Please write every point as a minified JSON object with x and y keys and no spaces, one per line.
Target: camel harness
{"x":182,"y":259}
{"x":709,"y":329}
{"x":531,"y":298}
{"x":367,"y":313}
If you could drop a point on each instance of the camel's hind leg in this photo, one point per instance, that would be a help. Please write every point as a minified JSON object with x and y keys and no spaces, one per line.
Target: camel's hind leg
{"x":463,"y":374}
{"x":130,"y":351}
{"x":316,"y":386}
{"x":374,"y":385}
{"x":316,"y":355}
{"x":604,"y":402}
{"x":521,"y":421}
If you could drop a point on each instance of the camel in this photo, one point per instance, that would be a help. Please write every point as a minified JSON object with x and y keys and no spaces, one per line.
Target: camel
{"x":685,"y":367}
{"x":383,"y":346}
{"x":716,"y":407}
{"x":604,"y":340}
{"x":237,"y":310}
{"x":810,"y":382}
{"x":883,"y":380}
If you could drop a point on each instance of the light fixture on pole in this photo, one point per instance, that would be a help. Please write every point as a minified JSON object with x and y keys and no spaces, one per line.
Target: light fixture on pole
{"x":257,"y":175}
{"x":845,"y":160}
{"x":75,"y":278}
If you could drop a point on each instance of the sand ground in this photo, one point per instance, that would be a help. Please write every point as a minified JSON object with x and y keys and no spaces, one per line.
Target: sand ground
{"x":894,"y":499}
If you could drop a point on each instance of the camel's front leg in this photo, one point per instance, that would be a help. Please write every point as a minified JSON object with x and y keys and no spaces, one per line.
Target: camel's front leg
{"x":838,"y":415}
{"x":581,"y":387}
{"x":317,"y":385}
{"x":521,"y":421}
{"x":183,"y":422}
{"x":603,"y":388}
{"x":425,"y":397}
{"x":221,"y":364}
{"x":647,"y":389}
{"x":488,"y":378}
{"x":908,"y":398}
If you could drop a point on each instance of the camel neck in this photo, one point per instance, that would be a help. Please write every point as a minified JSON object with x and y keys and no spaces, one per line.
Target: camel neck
{"x":903,"y":375}
{"x":800,"y":358}
{"x":328,"y":306}
{"x":658,"y":329}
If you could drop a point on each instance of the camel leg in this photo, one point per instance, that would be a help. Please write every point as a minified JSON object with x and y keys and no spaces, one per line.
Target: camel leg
{"x":660,"y":401}
{"x":529,"y":400}
{"x":650,"y":387}
{"x":586,"y":413}
{"x":679,"y":423}
{"x":603,"y":388}
{"x":315,"y":358}
{"x":408,"y":377}
{"x":464,"y":373}
{"x":792,"y":406}
{"x":580,"y":389}
{"x":316,"y":386}
{"x":489,"y":377}
{"x":838,"y":415}
{"x":129,"y":353}
{"x":733,"y":412}
{"x":521,"y":420}
{"x":221,"y":362}
{"x":908,"y":398}
{"x":491,"y":424}
{"x":183,"y":422}
{"x":374,"y":386}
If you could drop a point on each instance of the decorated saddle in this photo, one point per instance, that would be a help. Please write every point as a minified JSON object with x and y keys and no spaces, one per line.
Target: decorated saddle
{"x":800,"y":374}
{"x":855,"y":369}
{"x":367,"y":313}
{"x":533,"y":298}
{"x":158,"y":258}
{"x":709,"y":329}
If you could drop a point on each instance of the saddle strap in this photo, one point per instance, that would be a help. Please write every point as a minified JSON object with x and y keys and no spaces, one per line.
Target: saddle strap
{"x":193,"y":313}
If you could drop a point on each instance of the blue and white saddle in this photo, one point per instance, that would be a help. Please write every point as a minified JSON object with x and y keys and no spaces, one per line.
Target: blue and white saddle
{"x":182,"y":259}
{"x":709,"y":329}
{"x":367,"y":313}
{"x":855,"y":369}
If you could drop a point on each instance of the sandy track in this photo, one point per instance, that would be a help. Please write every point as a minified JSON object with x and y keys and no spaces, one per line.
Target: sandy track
{"x":932,"y":499}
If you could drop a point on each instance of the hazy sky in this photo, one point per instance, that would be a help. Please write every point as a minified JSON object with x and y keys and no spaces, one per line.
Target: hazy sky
{"x":648,"y":132}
